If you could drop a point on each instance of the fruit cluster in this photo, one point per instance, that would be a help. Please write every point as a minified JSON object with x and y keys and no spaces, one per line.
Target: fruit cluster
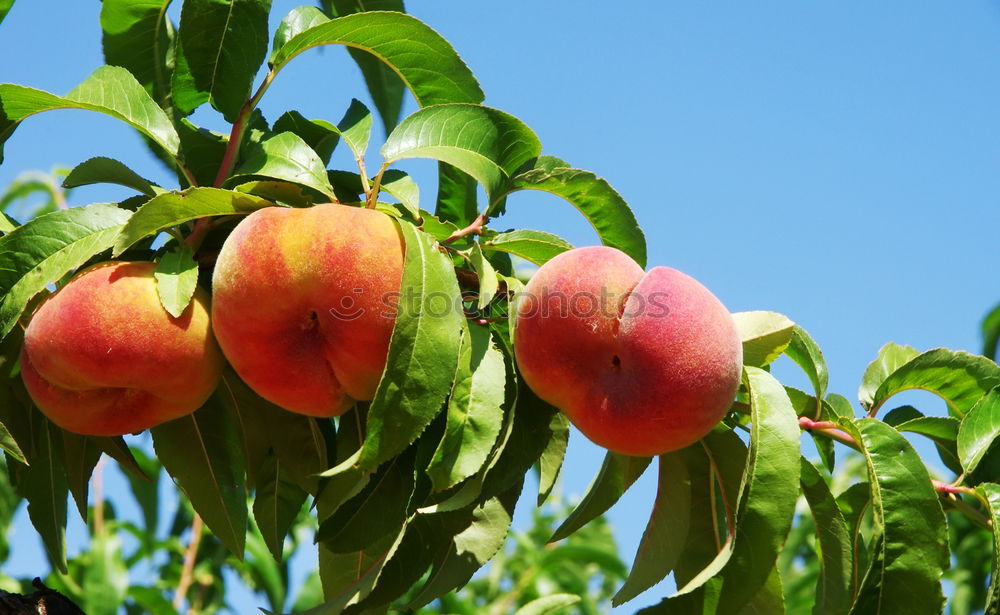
{"x":641,"y":362}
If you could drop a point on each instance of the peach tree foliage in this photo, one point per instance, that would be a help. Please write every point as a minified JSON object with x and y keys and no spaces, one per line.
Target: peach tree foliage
{"x":412,"y":493}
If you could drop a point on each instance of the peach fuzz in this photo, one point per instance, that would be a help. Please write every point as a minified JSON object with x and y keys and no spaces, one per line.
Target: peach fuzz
{"x":304,"y":303}
{"x":641,"y":363}
{"x":102,"y":357}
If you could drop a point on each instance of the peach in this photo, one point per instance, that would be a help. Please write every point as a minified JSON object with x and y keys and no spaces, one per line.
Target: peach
{"x":304,"y":303}
{"x":102,"y":357}
{"x":641,"y":363}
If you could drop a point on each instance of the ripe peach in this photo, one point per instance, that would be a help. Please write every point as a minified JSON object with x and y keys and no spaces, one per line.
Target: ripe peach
{"x":642,"y":363}
{"x":102,"y":357}
{"x":302,"y":303}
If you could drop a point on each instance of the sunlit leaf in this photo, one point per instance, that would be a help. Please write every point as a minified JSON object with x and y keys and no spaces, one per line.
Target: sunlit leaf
{"x":535,"y":246}
{"x":765,"y":335}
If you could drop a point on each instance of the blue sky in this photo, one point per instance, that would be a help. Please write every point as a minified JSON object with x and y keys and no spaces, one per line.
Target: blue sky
{"x":836,"y":162}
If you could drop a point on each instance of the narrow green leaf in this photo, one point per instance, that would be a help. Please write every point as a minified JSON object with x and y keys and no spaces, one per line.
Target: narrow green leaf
{"x":108,"y":170}
{"x":425,"y":61}
{"x":285,"y":156}
{"x":297,"y":20}
{"x":384,"y":85}
{"x":220,"y":46}
{"x":666,"y":532}
{"x":423,"y":351}
{"x":277,"y":502}
{"x":5,"y":6}
{"x":603,"y":207}
{"x":379,"y":509}
{"x":991,"y":333}
{"x":341,"y":487}
{"x":765,"y":336}
{"x":488,"y":283}
{"x":43,"y":485}
{"x":807,"y":354}
{"x":138,"y":35}
{"x":990,"y":492}
{"x":535,"y":246}
{"x":474,"y":411}
{"x":890,"y":358}
{"x":109,"y":89}
{"x":457,"y":197}
{"x":202,"y":453}
{"x":959,"y":378}
{"x":833,"y":590}
{"x":176,"y":279}
{"x":356,"y":128}
{"x":320,"y":135}
{"x":614,"y":478}
{"x":172,"y":208}
{"x":942,"y":430}
{"x":401,"y":186}
{"x":770,"y":488}
{"x":551,"y":461}
{"x":548,"y":604}
{"x":45,"y":249}
{"x":7,"y":224}
{"x":978,"y":430}
{"x":486,"y":143}
{"x":911,"y":548}
{"x":80,"y":457}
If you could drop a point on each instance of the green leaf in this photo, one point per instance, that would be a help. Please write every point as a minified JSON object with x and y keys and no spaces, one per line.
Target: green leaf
{"x":806,"y":353}
{"x":402,"y":187}
{"x":978,"y":430}
{"x":172,"y":208}
{"x":384,"y":85}
{"x":476,"y":536}
{"x":202,"y":453}
{"x":990,"y":493}
{"x":765,"y":336}
{"x":277,"y":502}
{"x":105,"y":578}
{"x":356,"y":128}
{"x":890,"y":358}
{"x":486,"y":143}
{"x":425,"y":61}
{"x":320,"y":135}
{"x":666,"y":532}
{"x":833,"y":590}
{"x":80,"y":456}
{"x":551,"y":461}
{"x":548,"y":604}
{"x":603,"y":207}
{"x":991,"y":333}
{"x":535,"y":246}
{"x":5,"y":6}
{"x":959,"y":378}
{"x":286,"y":157}
{"x":220,"y":46}
{"x":614,"y":478}
{"x":108,"y":170}
{"x":138,"y":35}
{"x":43,"y":485}
{"x":770,"y":488}
{"x":45,"y":249}
{"x":488,"y":282}
{"x":7,"y":224}
{"x":176,"y":279}
{"x":423,"y":351}
{"x":203,"y":151}
{"x":297,"y":20}
{"x":379,"y":509}
{"x":457,"y":197}
{"x":109,"y":89}
{"x":942,"y":430}
{"x":474,"y":411}
{"x":911,"y":548}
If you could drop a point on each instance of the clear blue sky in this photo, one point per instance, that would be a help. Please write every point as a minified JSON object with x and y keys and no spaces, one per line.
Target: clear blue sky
{"x":836,"y":162}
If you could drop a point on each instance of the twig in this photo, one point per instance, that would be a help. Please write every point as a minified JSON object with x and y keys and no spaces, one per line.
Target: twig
{"x":830,"y":430}
{"x":190,"y":556}
{"x":475,"y":228}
